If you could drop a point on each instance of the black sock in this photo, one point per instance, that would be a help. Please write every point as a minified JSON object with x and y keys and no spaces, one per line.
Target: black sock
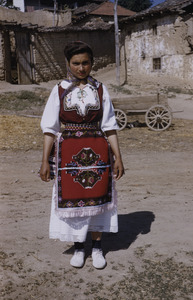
{"x":96,"y":244}
{"x":79,"y":246}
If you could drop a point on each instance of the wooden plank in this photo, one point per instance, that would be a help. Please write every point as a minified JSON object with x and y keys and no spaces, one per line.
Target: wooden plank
{"x":133,"y":103}
{"x":134,"y":111}
{"x":7,"y":54}
{"x":23,"y":57}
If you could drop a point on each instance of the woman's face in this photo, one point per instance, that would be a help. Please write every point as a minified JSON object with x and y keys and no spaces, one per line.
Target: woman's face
{"x":80,"y":65}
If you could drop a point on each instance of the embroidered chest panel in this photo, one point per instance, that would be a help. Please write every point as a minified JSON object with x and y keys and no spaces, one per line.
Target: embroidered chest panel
{"x":82,"y":100}
{"x":80,"y":106}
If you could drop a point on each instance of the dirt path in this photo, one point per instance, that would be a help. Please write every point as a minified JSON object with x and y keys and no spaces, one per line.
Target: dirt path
{"x":151,"y":257}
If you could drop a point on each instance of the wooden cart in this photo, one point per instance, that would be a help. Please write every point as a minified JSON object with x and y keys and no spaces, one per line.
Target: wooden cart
{"x":158,"y":115}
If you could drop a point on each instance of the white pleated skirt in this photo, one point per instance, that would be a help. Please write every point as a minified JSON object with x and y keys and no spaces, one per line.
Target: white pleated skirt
{"x":76,"y":229}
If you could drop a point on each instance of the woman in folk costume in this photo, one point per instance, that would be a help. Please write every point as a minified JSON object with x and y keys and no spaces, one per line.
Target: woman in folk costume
{"x":87,"y":157}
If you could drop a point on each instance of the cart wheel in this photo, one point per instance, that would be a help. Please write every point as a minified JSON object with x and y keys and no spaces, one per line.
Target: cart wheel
{"x":158,"y":118}
{"x":121,"y":118}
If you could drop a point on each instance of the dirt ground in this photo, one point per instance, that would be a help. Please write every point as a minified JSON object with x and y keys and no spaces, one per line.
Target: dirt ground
{"x":150,"y":258}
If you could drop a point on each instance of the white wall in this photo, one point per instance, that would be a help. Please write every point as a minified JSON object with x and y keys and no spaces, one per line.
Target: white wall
{"x":170,"y":43}
{"x":20,"y":4}
{"x":38,"y":17}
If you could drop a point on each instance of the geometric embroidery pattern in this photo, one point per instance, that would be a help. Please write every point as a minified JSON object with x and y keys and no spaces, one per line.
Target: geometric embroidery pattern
{"x":86,"y":168}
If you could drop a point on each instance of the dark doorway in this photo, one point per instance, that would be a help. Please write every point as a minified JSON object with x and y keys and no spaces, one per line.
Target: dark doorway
{"x":23,"y":53}
{"x":7,"y":56}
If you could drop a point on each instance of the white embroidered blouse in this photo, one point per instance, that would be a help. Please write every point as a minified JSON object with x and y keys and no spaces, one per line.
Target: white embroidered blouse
{"x":81,"y":99}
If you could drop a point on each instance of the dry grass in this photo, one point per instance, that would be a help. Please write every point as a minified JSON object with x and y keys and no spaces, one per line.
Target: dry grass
{"x":24,"y":101}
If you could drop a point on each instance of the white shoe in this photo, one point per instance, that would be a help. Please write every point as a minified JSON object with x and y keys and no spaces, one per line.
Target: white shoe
{"x":99,"y":261}
{"x":77,"y":259}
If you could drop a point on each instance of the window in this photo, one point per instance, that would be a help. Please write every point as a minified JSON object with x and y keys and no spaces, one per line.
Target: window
{"x":154,"y":27}
{"x":157,"y":63}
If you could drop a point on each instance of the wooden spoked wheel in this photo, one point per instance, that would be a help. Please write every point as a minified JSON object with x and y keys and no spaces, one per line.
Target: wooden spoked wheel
{"x":158,"y":117}
{"x":121,"y":118}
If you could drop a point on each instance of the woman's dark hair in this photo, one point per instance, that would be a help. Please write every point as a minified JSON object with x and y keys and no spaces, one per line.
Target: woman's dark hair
{"x":77,"y":47}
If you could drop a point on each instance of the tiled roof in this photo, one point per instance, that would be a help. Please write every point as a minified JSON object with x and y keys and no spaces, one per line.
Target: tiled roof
{"x":95,"y":24}
{"x":84,"y":9}
{"x":166,"y":6}
{"x":170,"y":5}
{"x":107,"y":9}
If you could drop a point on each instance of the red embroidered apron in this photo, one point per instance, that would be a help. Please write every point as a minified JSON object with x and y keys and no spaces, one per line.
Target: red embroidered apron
{"x":84,"y":175}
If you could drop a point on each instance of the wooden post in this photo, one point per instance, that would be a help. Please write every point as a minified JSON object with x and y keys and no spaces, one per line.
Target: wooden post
{"x":117,"y":54}
{"x":54,"y":16}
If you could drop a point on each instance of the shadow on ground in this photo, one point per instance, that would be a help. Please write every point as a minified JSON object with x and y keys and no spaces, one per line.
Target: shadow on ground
{"x":130,"y":226}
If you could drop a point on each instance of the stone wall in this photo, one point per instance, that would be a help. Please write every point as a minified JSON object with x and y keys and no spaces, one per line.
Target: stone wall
{"x":48,"y":51}
{"x":48,"y":57}
{"x":167,"y":39}
{"x":38,"y":17}
{"x":46,"y":45}
{"x":2,"y":69}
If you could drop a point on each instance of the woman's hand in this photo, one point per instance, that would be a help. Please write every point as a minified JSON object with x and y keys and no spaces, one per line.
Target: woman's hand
{"x":118,"y":169}
{"x":45,"y":167}
{"x":45,"y":171}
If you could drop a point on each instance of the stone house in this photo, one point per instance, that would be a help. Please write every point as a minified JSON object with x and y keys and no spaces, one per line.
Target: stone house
{"x":159,"y":41}
{"x":31,"y":5}
{"x":48,"y":46}
{"x":31,"y":52}
{"x":104,"y":11}
{"x":18,"y":37}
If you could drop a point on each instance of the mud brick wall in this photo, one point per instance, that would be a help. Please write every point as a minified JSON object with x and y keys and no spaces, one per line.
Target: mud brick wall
{"x":39,"y":17}
{"x":5,"y":58}
{"x":168,"y":38}
{"x":48,"y":58}
{"x":48,"y":51}
{"x":2,"y":71}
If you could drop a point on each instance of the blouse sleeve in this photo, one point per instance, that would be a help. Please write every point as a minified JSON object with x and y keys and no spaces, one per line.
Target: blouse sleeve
{"x":50,"y":118}
{"x":108,"y":120}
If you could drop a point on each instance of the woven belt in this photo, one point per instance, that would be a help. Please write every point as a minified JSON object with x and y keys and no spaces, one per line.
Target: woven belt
{"x":81,"y":126}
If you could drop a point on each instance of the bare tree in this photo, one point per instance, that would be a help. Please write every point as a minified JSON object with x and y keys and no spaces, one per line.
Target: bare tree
{"x":3,"y":2}
{"x":117,"y":55}
{"x":8,"y":4}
